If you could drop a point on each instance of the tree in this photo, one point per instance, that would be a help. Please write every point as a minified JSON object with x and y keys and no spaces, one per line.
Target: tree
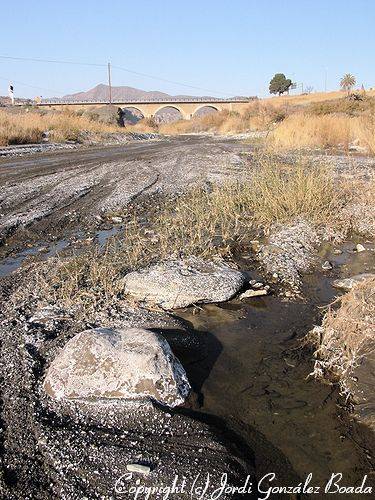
{"x":347,"y":82}
{"x":279,"y":84}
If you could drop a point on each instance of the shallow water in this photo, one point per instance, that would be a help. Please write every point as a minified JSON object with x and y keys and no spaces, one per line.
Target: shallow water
{"x":261,"y":379}
{"x":45,"y":250}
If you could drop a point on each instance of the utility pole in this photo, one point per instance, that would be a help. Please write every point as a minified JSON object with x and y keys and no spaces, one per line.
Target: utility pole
{"x":109,"y":83}
{"x":11,"y":93}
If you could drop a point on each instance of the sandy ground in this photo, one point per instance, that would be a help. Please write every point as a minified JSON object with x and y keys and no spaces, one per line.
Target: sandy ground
{"x":65,"y":187}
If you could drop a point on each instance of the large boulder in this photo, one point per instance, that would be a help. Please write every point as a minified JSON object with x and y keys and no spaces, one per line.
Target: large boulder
{"x":179,"y":283}
{"x":131,"y":364}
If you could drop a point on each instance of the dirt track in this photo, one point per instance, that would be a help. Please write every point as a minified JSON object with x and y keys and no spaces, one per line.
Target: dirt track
{"x":67,"y":188}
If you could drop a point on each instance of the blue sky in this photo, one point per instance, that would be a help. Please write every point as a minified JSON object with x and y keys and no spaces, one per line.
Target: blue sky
{"x":231,"y":47}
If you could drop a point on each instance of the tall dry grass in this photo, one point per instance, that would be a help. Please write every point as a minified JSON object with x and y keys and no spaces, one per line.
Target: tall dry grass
{"x":302,"y":131}
{"x":308,"y":99}
{"x":347,"y":334}
{"x":29,"y":127}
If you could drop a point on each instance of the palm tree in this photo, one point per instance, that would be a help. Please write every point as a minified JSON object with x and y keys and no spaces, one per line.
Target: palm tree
{"x":347,"y":82}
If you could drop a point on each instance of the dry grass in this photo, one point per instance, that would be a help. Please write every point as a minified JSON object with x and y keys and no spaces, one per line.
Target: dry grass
{"x":147,"y":126}
{"x":348,"y":333}
{"x":280,"y":193}
{"x":364,"y":105}
{"x":302,"y":130}
{"x":29,"y":127}
{"x":364,"y":132}
{"x":257,"y":116}
{"x":315,"y":97}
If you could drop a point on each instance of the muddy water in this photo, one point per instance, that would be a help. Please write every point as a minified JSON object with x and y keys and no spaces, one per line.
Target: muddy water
{"x":43,"y":250}
{"x":260,"y":379}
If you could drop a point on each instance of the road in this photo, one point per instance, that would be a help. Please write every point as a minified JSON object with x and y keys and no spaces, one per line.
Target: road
{"x":46,"y":191}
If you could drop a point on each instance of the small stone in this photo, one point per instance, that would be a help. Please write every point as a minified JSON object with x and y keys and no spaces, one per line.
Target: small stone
{"x":337,"y":251}
{"x":288,"y":294}
{"x":360,"y":248}
{"x":252,"y":293}
{"x":255,"y":245}
{"x":141,"y":469}
{"x":327,"y":266}
{"x":116,"y":220}
{"x":258,"y":285}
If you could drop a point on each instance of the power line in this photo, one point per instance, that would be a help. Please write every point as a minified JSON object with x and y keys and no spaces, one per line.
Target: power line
{"x":30,"y":59}
{"x":127,"y":70}
{"x":169,"y":81}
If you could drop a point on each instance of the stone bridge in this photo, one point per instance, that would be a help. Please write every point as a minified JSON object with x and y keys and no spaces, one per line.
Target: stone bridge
{"x":187,"y":108}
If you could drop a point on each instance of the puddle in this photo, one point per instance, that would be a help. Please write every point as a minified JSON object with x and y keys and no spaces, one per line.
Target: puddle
{"x":14,"y":262}
{"x":103,"y":235}
{"x":11,"y":264}
{"x":260,"y":379}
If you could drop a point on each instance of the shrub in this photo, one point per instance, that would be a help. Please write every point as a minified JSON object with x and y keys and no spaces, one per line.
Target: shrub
{"x":29,"y":127}
{"x":347,"y":335}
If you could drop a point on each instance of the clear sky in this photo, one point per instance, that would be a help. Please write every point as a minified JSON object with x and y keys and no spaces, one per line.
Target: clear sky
{"x":231,"y":47}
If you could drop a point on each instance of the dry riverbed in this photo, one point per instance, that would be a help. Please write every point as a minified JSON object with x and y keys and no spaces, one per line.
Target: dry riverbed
{"x":254,"y":406}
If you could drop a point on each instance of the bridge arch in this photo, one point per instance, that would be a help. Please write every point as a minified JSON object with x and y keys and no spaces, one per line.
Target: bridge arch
{"x":129,"y":115}
{"x":209,"y":106}
{"x":173,"y":106}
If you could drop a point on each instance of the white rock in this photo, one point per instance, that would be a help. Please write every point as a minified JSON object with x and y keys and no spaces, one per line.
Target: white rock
{"x":348,"y":283}
{"x":175,"y":283}
{"x":141,"y":469}
{"x":360,"y":248}
{"x":116,"y":220}
{"x":253,"y":293}
{"x":130,"y":364}
{"x":327,"y":265}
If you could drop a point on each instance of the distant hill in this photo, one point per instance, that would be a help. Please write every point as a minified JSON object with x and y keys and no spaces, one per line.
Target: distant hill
{"x":101,"y":93}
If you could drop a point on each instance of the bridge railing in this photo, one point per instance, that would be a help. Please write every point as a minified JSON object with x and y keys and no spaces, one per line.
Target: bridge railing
{"x":142,"y":101}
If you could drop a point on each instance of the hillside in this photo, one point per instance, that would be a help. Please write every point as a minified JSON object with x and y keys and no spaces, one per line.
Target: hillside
{"x":306,"y":99}
{"x":101,"y":93}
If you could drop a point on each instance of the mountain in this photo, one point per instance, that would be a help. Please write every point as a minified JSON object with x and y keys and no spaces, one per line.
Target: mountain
{"x":101,"y":93}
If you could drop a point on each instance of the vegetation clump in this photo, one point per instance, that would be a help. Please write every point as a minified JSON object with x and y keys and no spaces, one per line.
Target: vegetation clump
{"x":306,"y":130}
{"x":347,"y":82}
{"x":279,"y":84}
{"x":31,"y":127}
{"x":347,"y":334}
